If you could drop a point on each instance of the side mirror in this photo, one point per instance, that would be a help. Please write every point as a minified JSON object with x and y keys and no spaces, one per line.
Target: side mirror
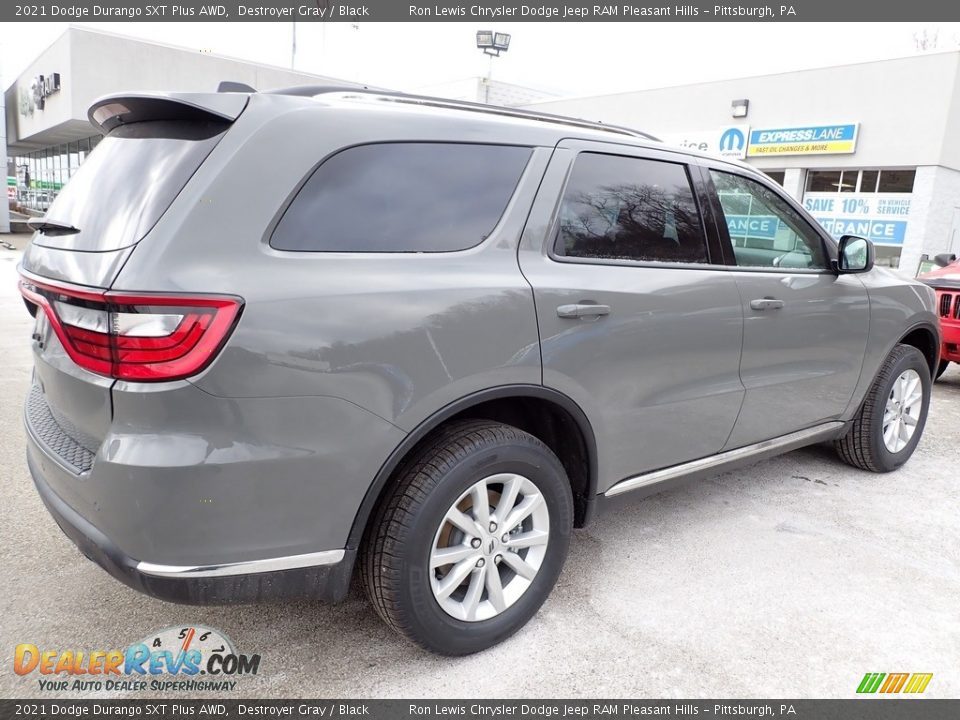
{"x":943,"y":259}
{"x":856,"y":255}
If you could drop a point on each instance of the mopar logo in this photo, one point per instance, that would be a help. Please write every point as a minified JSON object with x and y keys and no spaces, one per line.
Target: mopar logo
{"x":732,"y":140}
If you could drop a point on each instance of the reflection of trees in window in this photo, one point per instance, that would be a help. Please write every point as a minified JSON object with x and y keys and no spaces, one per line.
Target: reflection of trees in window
{"x":633,"y":221}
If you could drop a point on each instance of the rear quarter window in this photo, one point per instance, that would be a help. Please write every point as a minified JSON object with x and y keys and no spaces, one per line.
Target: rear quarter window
{"x":402,"y":197}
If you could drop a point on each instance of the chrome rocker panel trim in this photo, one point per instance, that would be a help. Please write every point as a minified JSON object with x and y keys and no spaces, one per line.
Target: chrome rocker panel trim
{"x":289,"y":562}
{"x":730,"y":457}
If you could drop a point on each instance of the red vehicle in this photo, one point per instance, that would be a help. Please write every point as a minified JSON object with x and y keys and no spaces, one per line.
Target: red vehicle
{"x":946,"y":281}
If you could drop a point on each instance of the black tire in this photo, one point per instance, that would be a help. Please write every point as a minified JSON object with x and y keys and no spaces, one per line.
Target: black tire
{"x":394,"y":559}
{"x":863,"y":445}
{"x":941,"y":369}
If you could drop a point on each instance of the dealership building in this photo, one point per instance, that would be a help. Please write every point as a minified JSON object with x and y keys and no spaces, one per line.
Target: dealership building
{"x":871,"y":149}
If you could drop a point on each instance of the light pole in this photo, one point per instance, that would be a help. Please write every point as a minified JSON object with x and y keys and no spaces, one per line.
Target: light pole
{"x":293,"y":46}
{"x":492,"y":44}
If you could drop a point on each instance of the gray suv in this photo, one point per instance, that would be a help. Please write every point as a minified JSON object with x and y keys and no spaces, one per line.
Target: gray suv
{"x":284,"y":339}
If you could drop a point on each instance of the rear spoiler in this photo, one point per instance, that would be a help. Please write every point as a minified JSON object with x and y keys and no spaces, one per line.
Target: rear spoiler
{"x":114,"y":110}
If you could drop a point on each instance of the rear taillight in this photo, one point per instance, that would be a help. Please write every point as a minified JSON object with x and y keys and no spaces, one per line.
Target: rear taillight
{"x":135,"y":336}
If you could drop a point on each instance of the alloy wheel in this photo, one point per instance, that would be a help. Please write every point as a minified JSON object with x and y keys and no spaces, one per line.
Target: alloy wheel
{"x":902,"y":411}
{"x":489,"y":547}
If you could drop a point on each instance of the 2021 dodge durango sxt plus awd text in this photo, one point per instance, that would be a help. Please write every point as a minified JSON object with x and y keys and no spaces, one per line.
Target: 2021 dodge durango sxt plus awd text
{"x":282,"y":338}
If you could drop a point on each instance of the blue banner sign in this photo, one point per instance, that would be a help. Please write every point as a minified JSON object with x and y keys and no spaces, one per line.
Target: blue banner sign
{"x":882,"y":217}
{"x":808,"y":140}
{"x":882,"y":232}
{"x":753,"y":226}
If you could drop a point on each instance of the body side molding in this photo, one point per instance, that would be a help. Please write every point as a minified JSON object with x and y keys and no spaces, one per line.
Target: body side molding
{"x":716,"y":463}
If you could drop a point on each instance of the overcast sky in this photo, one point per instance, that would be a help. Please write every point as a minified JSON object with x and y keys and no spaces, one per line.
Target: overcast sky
{"x":565,"y":58}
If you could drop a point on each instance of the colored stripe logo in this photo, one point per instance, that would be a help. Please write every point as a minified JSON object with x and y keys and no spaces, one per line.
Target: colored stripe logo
{"x":884,"y":683}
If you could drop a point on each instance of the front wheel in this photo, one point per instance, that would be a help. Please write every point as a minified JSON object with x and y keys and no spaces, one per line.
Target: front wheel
{"x":886,"y":430}
{"x":472,"y":539}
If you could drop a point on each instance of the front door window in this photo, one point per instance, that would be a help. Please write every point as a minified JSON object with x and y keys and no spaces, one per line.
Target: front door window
{"x":764,"y":230}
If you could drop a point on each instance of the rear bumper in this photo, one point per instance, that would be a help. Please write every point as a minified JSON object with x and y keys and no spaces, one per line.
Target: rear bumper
{"x":328,"y":578}
{"x":198,"y":499}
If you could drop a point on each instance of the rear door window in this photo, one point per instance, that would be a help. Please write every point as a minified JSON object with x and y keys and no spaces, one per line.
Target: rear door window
{"x":402,"y":197}
{"x":625,"y":208}
{"x":128,"y":181}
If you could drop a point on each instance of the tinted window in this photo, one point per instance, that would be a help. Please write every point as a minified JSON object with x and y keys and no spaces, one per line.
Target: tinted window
{"x":823,"y":180}
{"x":624,"y":208}
{"x":896,"y":181}
{"x":128,"y":182}
{"x":848,"y":180}
{"x":402,"y":197}
{"x":764,"y":229}
{"x":868,"y":180}
{"x":776,"y":175}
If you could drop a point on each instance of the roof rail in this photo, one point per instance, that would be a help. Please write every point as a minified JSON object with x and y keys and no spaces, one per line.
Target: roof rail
{"x":314,"y":90}
{"x":311,"y":90}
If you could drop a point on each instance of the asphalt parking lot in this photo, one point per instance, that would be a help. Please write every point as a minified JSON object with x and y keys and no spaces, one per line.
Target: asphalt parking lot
{"x":791,"y":578}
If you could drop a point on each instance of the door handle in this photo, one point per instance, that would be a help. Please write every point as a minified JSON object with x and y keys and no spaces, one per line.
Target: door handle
{"x":582,"y":310}
{"x":766,"y":304}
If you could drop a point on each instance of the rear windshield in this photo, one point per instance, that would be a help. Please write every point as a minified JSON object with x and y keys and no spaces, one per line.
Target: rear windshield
{"x":128,"y":182}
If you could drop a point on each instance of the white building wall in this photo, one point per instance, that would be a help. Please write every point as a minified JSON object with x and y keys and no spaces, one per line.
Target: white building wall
{"x":466,"y":89}
{"x":510,"y":95}
{"x":793,"y":182}
{"x":479,"y":89}
{"x":934,"y":225}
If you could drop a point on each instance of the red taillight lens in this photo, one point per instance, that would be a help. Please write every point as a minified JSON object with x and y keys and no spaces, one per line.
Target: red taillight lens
{"x":135,"y":336}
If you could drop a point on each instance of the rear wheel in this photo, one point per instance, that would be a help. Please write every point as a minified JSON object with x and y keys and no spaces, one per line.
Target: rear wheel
{"x":888,"y":426}
{"x":472,"y":539}
{"x":941,"y":369}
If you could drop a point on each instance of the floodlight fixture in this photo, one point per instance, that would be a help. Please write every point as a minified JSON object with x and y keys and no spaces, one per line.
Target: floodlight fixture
{"x":493,"y":43}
